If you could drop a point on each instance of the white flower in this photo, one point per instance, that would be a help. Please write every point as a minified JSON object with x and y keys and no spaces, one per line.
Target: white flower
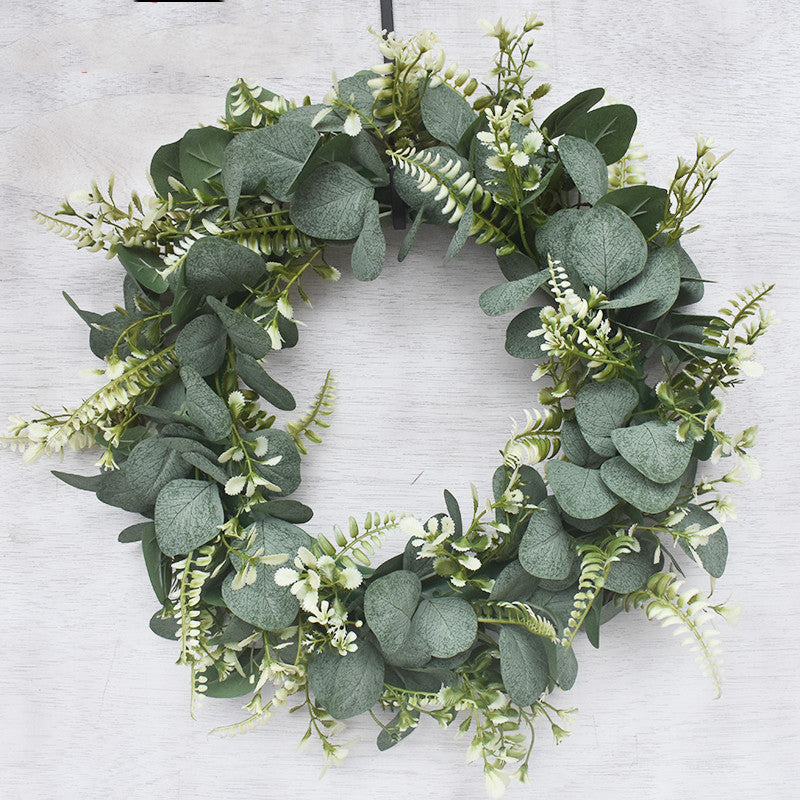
{"x":261,"y":446}
{"x":352,"y":125}
{"x":521,"y":159}
{"x":235,"y":485}
{"x":350,"y":578}
{"x":532,"y":142}
{"x":495,"y":163}
{"x":286,"y":576}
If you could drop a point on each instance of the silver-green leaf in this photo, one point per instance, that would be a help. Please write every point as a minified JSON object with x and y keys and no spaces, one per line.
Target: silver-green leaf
{"x":448,"y":625}
{"x":188,"y":513}
{"x":580,"y":491}
{"x":654,"y":449}
{"x":389,"y":606}
{"x":585,"y":166}
{"x":523,"y":664}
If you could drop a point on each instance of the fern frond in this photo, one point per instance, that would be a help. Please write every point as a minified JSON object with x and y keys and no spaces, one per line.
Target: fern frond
{"x":537,"y":440}
{"x":321,"y":407}
{"x":499,"y":612}
{"x":251,"y":106}
{"x":595,"y":566}
{"x":454,"y":188}
{"x":359,"y":542}
{"x":628,"y":170}
{"x":662,"y":600}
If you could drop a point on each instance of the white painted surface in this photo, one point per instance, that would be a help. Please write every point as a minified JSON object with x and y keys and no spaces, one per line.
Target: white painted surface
{"x":92,"y":706}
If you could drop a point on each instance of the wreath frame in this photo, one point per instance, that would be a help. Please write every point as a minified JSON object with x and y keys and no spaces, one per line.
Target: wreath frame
{"x":473,"y":192}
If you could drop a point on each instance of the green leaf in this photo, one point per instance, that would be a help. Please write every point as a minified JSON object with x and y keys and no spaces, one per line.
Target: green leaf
{"x":87,"y":483}
{"x":346,"y":686}
{"x":286,"y":473}
{"x":585,"y":166}
{"x":245,"y":333}
{"x":560,"y":119}
{"x":165,"y":627}
{"x":159,"y":571}
{"x":518,"y":343}
{"x":580,"y":491}
{"x":446,"y":114}
{"x":152,"y":465}
{"x":391,"y":734}
{"x":523,"y":664}
{"x":656,"y":286}
{"x":646,"y":495}
{"x":461,"y":235}
{"x":513,"y":582}
{"x":609,"y":128}
{"x":389,"y":605}
{"x":201,"y":153}
{"x":136,"y":532}
{"x":606,"y":248}
{"x":692,"y":288}
{"x":234,"y":685}
{"x":188,"y":514}
{"x":115,"y":490}
{"x":408,"y":239}
{"x":356,"y":91}
{"x":205,"y":407}
{"x":165,"y":165}
{"x":108,"y":330}
{"x":143,"y":265}
{"x":447,"y":625}
{"x":366,"y":154}
{"x":206,"y":465}
{"x":714,"y":554}
{"x":369,"y":251}
{"x":271,"y":157}
{"x":185,"y":302}
{"x":600,"y":408}
{"x":454,"y":512}
{"x":567,"y":667}
{"x":263,"y":603}
{"x":632,"y":571}
{"x":289,"y":510}
{"x":330,"y":203}
{"x":253,"y":374}
{"x":654,"y":450}
{"x":645,"y":205}
{"x":202,"y":344}
{"x":545,"y":549}
{"x":218,"y":267}
{"x":505,"y":297}
{"x":553,"y":239}
{"x":517,"y":265}
{"x":575,"y":447}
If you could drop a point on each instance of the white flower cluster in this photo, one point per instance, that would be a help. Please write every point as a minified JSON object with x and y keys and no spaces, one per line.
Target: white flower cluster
{"x":315,"y":575}
{"x":498,"y":138}
{"x":260,"y":447}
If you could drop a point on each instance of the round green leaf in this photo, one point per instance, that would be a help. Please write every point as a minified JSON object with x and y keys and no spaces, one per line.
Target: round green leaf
{"x":218,"y":267}
{"x":654,"y":450}
{"x":202,"y":344}
{"x":545,"y":549}
{"x":646,"y":495}
{"x":518,"y":343}
{"x":585,"y":165}
{"x":656,"y":286}
{"x":579,"y":491}
{"x":643,"y":204}
{"x":714,"y":554}
{"x":200,"y":155}
{"x":143,"y":265}
{"x":606,"y":248}
{"x":600,"y":408}
{"x":632,"y":570}
{"x":151,"y":465}
{"x":523,"y":664}
{"x":348,"y":685}
{"x":446,"y":114}
{"x":505,"y":297}
{"x":389,"y":605}
{"x":330,"y":203}
{"x":609,"y":128}
{"x":448,"y":625}
{"x":575,"y":447}
{"x":188,"y":513}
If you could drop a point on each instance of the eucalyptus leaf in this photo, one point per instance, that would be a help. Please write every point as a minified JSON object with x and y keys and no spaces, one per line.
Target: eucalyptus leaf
{"x":366,"y":154}
{"x":513,"y":583}
{"x":136,"y":532}
{"x":610,"y":128}
{"x":245,"y":333}
{"x":188,"y":513}
{"x":159,"y":572}
{"x":552,"y":239}
{"x":289,"y":510}
{"x":600,"y":408}
{"x":369,"y":251}
{"x":263,"y":603}
{"x":575,"y":447}
{"x":606,"y":248}
{"x":505,"y":297}
{"x":646,"y":495}
{"x":143,"y":265}
{"x":151,"y":465}
{"x":655,"y":287}
{"x":389,"y":605}
{"x":348,"y":685}
{"x":254,"y":375}
{"x":446,"y":114}
{"x":523,"y":664}
{"x":567,"y":664}
{"x":712,"y":555}
{"x":580,"y":491}
{"x":218,"y":267}
{"x":115,"y":490}
{"x":408,"y":239}
{"x":206,"y":465}
{"x":692,"y":288}
{"x":391,"y":734}
{"x":644,"y":204}
{"x":164,"y":165}
{"x":559,"y":120}
{"x":517,"y":265}
{"x":632,"y":570}
{"x":200,"y":154}
{"x":462,"y":233}
{"x":87,"y":483}
{"x":285,"y":474}
{"x":202,"y":344}
{"x":448,"y":625}
{"x":205,"y":407}
{"x":518,"y":343}
{"x":330,"y":203}
{"x":585,"y":165}
{"x":546,"y":549}
{"x":654,"y":450}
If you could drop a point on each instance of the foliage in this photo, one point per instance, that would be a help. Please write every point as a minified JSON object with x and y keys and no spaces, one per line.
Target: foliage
{"x":474,"y":622}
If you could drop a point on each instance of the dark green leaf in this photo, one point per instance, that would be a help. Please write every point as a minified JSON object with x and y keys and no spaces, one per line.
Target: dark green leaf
{"x":462,"y":233}
{"x":517,"y":265}
{"x":135,"y":533}
{"x":391,"y":734}
{"x":632,"y":570}
{"x":206,"y":466}
{"x":513,"y":582}
{"x":88,"y":483}
{"x":518,"y":343}
{"x":560,"y":119}
{"x":643,"y":204}
{"x":609,"y":128}
{"x":158,"y":571}
{"x":389,"y":605}
{"x":446,"y":114}
{"x":505,"y":297}
{"x":166,"y":164}
{"x":523,"y":664}
{"x":165,"y":627}
{"x":656,"y":286}
{"x":585,"y":165}
{"x":245,"y":333}
{"x":202,"y":344}
{"x":575,"y":447}
{"x":143,"y":265}
{"x":366,"y":154}
{"x":408,"y":239}
{"x":253,"y":374}
{"x":600,"y":408}
{"x":289,"y":510}
{"x":205,"y":407}
{"x":201,"y":153}
{"x":218,"y":267}
{"x":152,"y":465}
{"x":454,"y":512}
{"x":115,"y":490}
{"x":286,"y":473}
{"x":346,"y":686}
{"x":714,"y":554}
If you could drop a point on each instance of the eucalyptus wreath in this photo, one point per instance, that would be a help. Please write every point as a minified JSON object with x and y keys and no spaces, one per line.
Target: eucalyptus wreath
{"x":473,"y":623}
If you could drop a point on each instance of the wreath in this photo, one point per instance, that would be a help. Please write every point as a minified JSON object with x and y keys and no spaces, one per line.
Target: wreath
{"x":473,"y":623}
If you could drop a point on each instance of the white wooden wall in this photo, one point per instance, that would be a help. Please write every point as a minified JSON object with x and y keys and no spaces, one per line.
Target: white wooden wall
{"x":91,"y":705}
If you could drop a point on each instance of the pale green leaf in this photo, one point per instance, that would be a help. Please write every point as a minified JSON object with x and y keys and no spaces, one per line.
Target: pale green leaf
{"x":646,"y":495}
{"x":245,"y":333}
{"x":505,"y":297}
{"x":446,"y":114}
{"x":714,"y":554}
{"x":585,"y":165}
{"x":654,"y":450}
{"x":448,"y":625}
{"x":580,"y":491}
{"x":523,"y":664}
{"x":656,"y":285}
{"x":545,"y":549}
{"x":600,"y":408}
{"x":151,"y":465}
{"x":218,"y":267}
{"x":254,"y":375}
{"x":202,"y":344}
{"x":369,"y":251}
{"x":200,"y":153}
{"x":205,"y":407}
{"x":389,"y":605}
{"x":188,"y":513}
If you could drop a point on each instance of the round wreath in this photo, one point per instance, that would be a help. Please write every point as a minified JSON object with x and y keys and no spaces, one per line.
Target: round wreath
{"x":473,"y":622}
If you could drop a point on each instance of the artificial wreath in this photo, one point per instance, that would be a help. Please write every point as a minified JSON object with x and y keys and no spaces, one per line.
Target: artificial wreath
{"x":472,"y":624}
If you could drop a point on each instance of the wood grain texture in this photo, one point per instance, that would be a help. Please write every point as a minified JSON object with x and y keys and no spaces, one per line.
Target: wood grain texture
{"x":92,"y":705}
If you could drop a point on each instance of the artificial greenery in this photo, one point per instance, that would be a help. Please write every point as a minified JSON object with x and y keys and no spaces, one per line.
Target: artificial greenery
{"x":473,"y":623}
